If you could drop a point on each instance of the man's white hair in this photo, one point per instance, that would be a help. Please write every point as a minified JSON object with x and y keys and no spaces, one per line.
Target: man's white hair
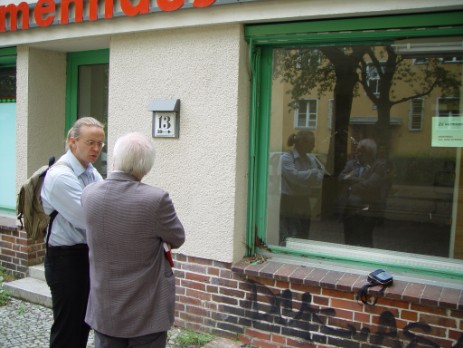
{"x":370,"y":146}
{"x":133,"y":154}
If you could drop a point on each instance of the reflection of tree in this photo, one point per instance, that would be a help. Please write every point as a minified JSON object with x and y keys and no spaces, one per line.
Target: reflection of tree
{"x":342,"y":70}
{"x":398,"y":73}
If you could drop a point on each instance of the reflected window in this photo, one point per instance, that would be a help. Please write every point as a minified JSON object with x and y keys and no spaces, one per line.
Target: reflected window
{"x":416,"y":114}
{"x":448,"y":107}
{"x":306,"y":114}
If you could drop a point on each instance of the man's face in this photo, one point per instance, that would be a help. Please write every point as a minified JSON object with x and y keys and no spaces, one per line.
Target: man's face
{"x":363,"y":155}
{"x":87,"y":147}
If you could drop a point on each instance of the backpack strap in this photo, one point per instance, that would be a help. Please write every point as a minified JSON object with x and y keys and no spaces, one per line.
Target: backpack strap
{"x":52,"y":217}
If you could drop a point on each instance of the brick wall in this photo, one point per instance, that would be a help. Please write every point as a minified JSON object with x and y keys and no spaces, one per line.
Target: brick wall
{"x":17,"y":252}
{"x":272,"y":304}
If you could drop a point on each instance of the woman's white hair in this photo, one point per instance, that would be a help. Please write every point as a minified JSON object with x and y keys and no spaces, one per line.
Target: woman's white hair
{"x":133,"y":154}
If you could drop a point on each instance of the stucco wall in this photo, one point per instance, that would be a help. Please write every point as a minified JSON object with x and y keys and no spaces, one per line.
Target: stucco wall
{"x":41,"y":89}
{"x":202,"y":68}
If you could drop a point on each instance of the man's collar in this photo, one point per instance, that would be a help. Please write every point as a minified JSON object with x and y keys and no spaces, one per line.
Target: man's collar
{"x":77,"y":167}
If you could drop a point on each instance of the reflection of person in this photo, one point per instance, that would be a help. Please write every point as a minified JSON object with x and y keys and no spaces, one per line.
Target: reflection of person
{"x":300,"y":173}
{"x":365,"y":181}
{"x":132,"y":290}
{"x":66,"y":260}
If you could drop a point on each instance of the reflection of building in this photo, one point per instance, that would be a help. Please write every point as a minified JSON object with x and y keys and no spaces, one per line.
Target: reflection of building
{"x":410,"y":121}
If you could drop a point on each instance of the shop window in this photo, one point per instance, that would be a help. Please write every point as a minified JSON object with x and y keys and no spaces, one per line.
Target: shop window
{"x":416,"y":114}
{"x":358,"y":188}
{"x":7,"y":130}
{"x":305,"y":114}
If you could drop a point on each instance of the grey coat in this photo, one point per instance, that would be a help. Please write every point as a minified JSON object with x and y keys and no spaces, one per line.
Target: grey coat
{"x":132,"y":290}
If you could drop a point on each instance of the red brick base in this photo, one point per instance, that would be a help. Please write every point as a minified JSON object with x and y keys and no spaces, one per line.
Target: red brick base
{"x":279,"y":305}
{"x":275,"y":305}
{"x":17,"y":252}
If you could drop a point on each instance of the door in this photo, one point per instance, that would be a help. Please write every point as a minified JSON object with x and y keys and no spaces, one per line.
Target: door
{"x":87,"y":91}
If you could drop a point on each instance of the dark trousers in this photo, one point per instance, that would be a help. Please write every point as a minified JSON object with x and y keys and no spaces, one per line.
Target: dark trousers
{"x":294,"y":217}
{"x":358,"y":230}
{"x":156,"y":340}
{"x":67,"y":275}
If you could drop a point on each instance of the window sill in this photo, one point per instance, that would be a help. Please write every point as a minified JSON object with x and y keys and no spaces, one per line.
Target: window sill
{"x":8,"y":221}
{"x":423,"y":290}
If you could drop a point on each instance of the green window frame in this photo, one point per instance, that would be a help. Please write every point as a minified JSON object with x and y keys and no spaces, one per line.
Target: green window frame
{"x":262,"y":39}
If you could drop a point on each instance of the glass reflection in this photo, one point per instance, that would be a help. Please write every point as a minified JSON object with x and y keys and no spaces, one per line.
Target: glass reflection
{"x":376,"y":170}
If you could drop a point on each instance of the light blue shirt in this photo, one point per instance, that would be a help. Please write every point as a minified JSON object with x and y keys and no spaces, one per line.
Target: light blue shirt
{"x":299,"y":174}
{"x":61,"y":191}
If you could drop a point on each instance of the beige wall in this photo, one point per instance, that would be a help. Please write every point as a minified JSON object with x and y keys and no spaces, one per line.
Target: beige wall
{"x":41,"y":88}
{"x":199,"y":169}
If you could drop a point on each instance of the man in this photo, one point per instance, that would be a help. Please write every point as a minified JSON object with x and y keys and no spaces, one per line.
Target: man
{"x":66,"y":260}
{"x":132,"y":288}
{"x":365,"y":181}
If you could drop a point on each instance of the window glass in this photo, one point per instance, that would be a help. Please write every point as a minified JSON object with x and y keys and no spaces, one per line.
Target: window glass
{"x":354,"y":155}
{"x":8,"y":138}
{"x":87,"y":92}
{"x":93,"y":100}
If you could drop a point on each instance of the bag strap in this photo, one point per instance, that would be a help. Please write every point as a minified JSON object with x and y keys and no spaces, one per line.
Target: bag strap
{"x":362,"y":294}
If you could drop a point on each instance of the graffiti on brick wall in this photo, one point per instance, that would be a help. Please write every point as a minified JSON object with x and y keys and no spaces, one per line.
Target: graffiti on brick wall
{"x":283,"y":313}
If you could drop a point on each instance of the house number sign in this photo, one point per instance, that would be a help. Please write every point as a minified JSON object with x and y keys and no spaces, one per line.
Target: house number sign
{"x":165,"y":125}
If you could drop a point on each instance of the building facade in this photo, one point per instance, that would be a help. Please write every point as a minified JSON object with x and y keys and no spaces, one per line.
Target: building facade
{"x":246,"y":76}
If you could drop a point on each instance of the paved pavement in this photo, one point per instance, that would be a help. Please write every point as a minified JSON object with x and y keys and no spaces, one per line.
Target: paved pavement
{"x":27,"y":325}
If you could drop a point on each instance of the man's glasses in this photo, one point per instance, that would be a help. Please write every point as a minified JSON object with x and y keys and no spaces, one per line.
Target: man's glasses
{"x":92,"y":143}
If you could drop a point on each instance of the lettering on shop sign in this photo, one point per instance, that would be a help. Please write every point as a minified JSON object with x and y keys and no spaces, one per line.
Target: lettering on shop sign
{"x":311,"y":323}
{"x":45,"y":12}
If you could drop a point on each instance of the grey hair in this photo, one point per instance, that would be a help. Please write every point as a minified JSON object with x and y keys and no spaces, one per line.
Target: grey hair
{"x":370,"y":146}
{"x":74,"y":132}
{"x":134,"y":154}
